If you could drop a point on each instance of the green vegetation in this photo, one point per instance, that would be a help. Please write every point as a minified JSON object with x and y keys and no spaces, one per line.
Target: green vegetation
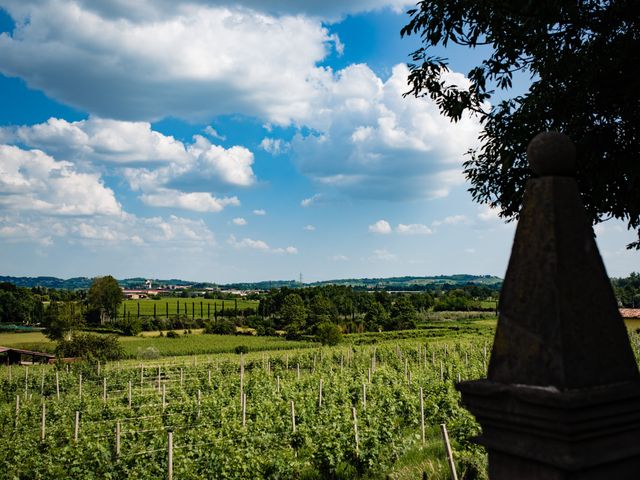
{"x":197,"y":307}
{"x":627,"y":290}
{"x":212,"y":438}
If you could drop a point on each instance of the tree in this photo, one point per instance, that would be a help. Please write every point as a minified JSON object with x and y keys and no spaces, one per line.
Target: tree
{"x":403,"y":315}
{"x":106,"y":296}
{"x":293,"y":313}
{"x":61,"y":320}
{"x":376,"y":318}
{"x":582,"y":58}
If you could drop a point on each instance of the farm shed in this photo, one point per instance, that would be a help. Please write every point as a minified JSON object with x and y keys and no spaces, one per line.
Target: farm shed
{"x":16,"y":356}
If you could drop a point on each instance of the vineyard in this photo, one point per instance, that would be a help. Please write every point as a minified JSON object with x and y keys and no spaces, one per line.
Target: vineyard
{"x":189,"y":307}
{"x":342,"y":412}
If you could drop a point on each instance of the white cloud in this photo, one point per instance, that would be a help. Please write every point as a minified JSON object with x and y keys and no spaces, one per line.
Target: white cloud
{"x":384,"y":255}
{"x":313,"y":200}
{"x":413,"y":229}
{"x":309,"y":228}
{"x":381,"y":226}
{"x":339,"y":258}
{"x":260,"y":212}
{"x":123,"y":229}
{"x":369,"y":141}
{"x":450,"y":220}
{"x":274,"y":146}
{"x":488,"y":214}
{"x":249,"y":243}
{"x":150,"y":160}
{"x":287,"y":250}
{"x":470,"y":250}
{"x":213,"y":133}
{"x":98,"y":139}
{"x":239,"y":221}
{"x":190,"y":60}
{"x":30,"y":180}
{"x":194,"y":201}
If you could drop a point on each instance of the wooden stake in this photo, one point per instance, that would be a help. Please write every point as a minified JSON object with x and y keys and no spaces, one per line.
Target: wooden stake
{"x":244,"y":409}
{"x":118,"y":439}
{"x":278,"y":384}
{"x":76,"y":427}
{"x":209,"y":373}
{"x":98,"y":367}
{"x":320,"y":395}
{"x":141,"y":375}
{"x":422,"y":415}
{"x":181,"y":377}
{"x":452,"y":465}
{"x":57,"y":387}
{"x":369,"y":375}
{"x":158,"y":378}
{"x":441,"y":371}
{"x":199,"y":401}
{"x":80,"y":386}
{"x":170,"y":457}
{"x":293,"y":417}
{"x":241,"y":378}
{"x":298,"y":371}
{"x":164,"y":396}
{"x":42,"y":383}
{"x":355,"y":430}
{"x":44,"y":419}
{"x":104,"y":389}
{"x":364,"y":396}
{"x":129,"y":394}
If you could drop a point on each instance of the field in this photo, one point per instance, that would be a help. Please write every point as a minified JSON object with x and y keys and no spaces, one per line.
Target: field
{"x":198,"y":307}
{"x":232,"y":416}
{"x":371,"y":407}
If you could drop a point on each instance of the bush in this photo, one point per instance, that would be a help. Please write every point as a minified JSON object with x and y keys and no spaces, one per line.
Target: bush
{"x":91,"y":347}
{"x":149,"y":353}
{"x":328,"y":333}
{"x":241,"y":349}
{"x":172,"y":334}
{"x":130,"y":326}
{"x":220,"y":327}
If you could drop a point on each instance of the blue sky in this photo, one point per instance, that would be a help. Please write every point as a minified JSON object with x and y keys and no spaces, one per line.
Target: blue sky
{"x":234,"y":141}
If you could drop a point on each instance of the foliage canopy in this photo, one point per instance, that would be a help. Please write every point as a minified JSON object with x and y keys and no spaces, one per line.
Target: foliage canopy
{"x":581,"y":56}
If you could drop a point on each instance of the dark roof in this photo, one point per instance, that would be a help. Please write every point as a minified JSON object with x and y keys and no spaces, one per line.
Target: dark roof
{"x":26,"y":352}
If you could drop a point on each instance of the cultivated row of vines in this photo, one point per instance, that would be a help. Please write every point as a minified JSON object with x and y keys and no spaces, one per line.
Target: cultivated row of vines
{"x":345,"y":412}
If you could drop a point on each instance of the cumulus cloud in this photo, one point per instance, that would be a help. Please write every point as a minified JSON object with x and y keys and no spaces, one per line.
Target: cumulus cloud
{"x":310,"y":228}
{"x":260,"y":212}
{"x":274,"y":146}
{"x":213,"y":133}
{"x":488,"y":214}
{"x":193,"y":60}
{"x":239,"y":221}
{"x":413,"y":229}
{"x":381,"y":226}
{"x":313,"y":200}
{"x":194,"y":201}
{"x":156,"y":164}
{"x":98,"y":139}
{"x":31,"y":180}
{"x":369,"y":141}
{"x":124,"y":229}
{"x":339,"y":258}
{"x":260,"y":245}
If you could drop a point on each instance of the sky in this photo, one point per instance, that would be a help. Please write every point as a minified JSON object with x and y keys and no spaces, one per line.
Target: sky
{"x":229,"y":141}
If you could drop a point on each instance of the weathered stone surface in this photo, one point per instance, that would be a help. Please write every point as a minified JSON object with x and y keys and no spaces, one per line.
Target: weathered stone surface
{"x":562,"y":397}
{"x":559,"y":322}
{"x":552,"y":153}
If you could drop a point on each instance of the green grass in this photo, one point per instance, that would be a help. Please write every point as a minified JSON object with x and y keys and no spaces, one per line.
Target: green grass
{"x":192,"y":306}
{"x":198,"y":344}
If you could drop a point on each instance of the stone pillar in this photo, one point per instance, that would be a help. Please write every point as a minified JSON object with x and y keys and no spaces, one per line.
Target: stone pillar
{"x":562,"y":397}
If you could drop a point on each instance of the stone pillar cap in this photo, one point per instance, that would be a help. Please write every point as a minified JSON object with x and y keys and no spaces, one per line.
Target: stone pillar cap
{"x":552,"y":153}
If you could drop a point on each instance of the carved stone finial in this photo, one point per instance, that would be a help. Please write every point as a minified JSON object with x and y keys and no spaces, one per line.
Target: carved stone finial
{"x":552,"y":153}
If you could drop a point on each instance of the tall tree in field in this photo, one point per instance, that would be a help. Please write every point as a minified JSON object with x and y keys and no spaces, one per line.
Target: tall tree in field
{"x":293,"y":313}
{"x":61,"y":319}
{"x":582,"y":59}
{"x":106,"y":296}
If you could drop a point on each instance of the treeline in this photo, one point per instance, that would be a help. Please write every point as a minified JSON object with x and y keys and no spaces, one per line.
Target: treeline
{"x":627,"y":290}
{"x":304,"y":311}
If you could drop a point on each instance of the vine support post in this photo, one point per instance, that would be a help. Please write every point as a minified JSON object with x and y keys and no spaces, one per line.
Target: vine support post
{"x":170,"y":456}
{"x":76,"y":426}
{"x":355,"y":430}
{"x":447,"y":445}
{"x":422,"y":415}
{"x":293,"y":417}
